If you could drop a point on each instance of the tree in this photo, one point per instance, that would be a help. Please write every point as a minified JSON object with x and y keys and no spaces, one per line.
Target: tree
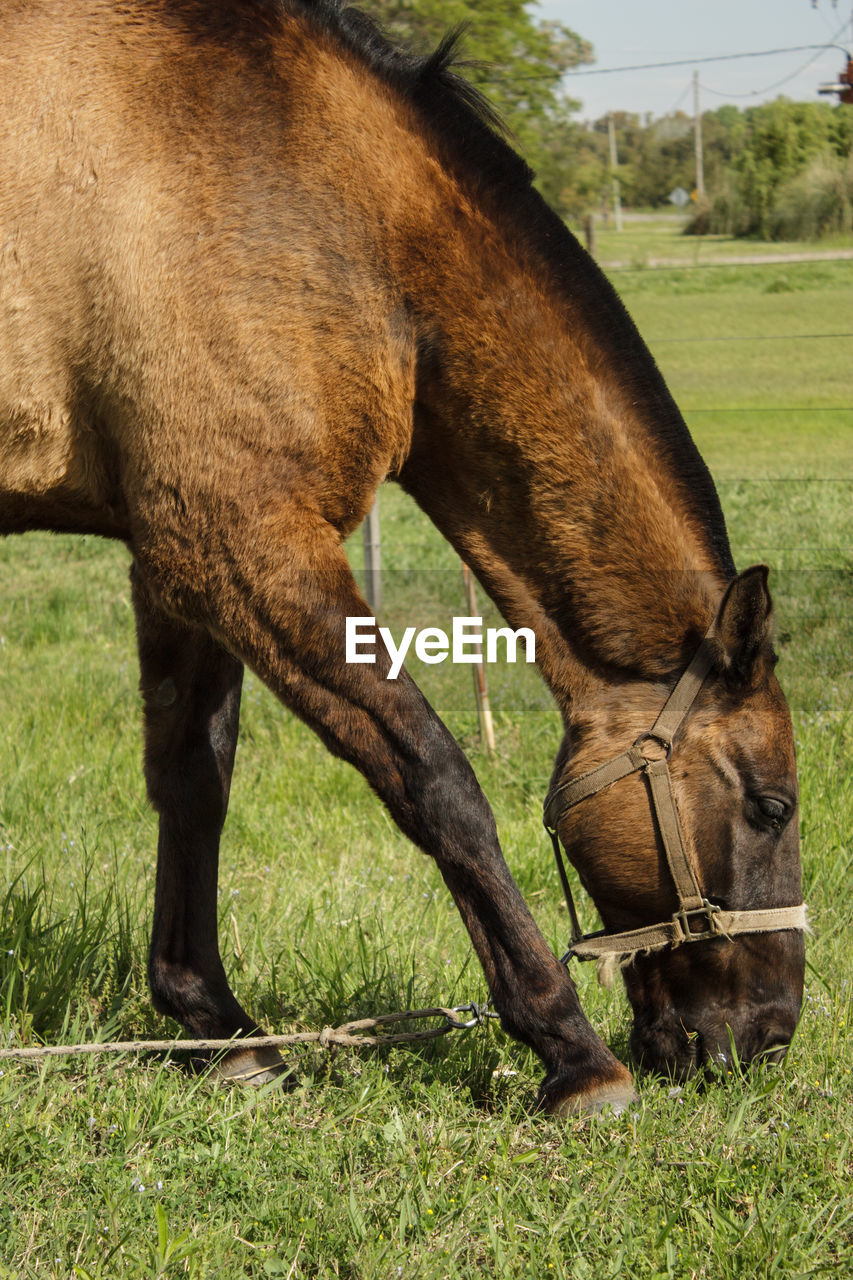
{"x":516,"y":60}
{"x":785,"y":165}
{"x":781,"y":138}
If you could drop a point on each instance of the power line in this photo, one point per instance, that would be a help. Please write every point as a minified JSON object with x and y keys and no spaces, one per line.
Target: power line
{"x":681,"y":98}
{"x":777,"y":84}
{"x":490,"y":77}
{"x":692,"y":62}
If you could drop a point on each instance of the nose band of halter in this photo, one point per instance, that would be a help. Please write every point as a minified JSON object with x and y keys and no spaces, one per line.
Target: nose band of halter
{"x":696,"y":918}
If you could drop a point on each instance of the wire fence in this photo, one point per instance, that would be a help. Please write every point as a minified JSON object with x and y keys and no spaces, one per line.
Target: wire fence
{"x":812,"y":558}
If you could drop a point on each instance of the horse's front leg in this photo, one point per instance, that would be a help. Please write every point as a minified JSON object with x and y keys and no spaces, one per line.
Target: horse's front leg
{"x":191,"y":705}
{"x":289,"y":624}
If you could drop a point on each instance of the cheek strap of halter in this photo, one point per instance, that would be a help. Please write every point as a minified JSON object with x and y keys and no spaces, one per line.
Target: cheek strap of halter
{"x":696,"y":918}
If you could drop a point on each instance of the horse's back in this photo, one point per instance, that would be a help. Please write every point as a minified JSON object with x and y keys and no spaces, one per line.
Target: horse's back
{"x":185,"y":273}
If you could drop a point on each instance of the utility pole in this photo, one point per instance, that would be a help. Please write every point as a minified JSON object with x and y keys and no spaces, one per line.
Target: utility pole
{"x":614,"y":161}
{"x":697,"y":116}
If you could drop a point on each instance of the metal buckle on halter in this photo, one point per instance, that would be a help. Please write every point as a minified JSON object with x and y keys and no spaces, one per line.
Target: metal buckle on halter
{"x":650,"y":736}
{"x":708,"y":911}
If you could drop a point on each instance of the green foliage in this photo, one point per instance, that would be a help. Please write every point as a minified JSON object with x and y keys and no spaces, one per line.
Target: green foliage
{"x":788,"y":176}
{"x":754,"y":160}
{"x":516,"y":59}
{"x":781,"y":138}
{"x":777,"y":171}
{"x":817,"y":202}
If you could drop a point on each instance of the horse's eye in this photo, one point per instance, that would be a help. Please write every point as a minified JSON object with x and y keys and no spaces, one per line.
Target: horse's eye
{"x":772,"y":811}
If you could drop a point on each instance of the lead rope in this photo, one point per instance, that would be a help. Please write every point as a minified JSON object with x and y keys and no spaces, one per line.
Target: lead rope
{"x":350,"y":1036}
{"x":576,"y":930}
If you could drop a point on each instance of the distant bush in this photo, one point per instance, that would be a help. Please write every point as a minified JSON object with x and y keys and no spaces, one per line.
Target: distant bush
{"x":790,"y":175}
{"x":725,"y":214}
{"x":814,"y":203}
{"x":817,"y":202}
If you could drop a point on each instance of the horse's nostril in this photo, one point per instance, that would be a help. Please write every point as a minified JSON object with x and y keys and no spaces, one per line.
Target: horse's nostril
{"x":773,"y":1051}
{"x":773,"y":1043}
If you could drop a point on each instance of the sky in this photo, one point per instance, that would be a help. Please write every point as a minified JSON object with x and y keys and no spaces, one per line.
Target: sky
{"x":625,"y":32}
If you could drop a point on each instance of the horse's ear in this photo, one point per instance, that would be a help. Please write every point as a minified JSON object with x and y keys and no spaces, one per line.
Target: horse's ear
{"x":745,"y":621}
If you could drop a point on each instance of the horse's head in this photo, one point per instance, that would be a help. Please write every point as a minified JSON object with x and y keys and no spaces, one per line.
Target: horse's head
{"x":732,"y":778}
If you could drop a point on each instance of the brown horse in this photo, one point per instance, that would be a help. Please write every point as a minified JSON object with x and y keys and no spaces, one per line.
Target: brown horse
{"x":253,"y":261}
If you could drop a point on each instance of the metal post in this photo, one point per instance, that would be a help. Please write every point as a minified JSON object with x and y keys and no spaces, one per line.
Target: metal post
{"x":372,"y":557}
{"x":697,"y":116}
{"x":481,"y":692}
{"x":614,"y":163}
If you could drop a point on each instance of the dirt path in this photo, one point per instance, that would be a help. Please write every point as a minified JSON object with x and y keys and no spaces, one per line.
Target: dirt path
{"x":734,"y":260}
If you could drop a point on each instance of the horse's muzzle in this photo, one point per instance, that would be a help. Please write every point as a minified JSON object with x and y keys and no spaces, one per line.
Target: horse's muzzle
{"x":679,"y":1046}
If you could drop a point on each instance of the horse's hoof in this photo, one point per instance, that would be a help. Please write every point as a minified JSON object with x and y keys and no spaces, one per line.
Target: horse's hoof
{"x":253,"y":1067}
{"x":615,"y":1095}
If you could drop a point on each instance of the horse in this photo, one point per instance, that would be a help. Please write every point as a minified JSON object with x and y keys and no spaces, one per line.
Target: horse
{"x":255,"y":261}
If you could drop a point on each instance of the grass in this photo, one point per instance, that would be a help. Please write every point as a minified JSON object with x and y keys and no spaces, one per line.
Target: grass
{"x":647,"y":239}
{"x":423,"y":1162}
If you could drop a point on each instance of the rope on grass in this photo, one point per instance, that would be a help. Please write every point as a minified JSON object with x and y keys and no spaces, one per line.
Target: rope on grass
{"x":349,"y":1035}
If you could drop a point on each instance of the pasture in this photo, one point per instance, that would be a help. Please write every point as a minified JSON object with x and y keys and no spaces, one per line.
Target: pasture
{"x":422,"y":1162}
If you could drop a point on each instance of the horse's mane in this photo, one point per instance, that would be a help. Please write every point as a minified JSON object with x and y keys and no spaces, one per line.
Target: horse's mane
{"x":472,"y":140}
{"x":450,"y":104}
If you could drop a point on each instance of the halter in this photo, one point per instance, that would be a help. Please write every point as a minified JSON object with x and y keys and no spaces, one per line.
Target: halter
{"x":696,"y":918}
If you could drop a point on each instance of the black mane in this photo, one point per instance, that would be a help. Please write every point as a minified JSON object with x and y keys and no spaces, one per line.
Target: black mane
{"x":450,"y":104}
{"x":472,"y":139}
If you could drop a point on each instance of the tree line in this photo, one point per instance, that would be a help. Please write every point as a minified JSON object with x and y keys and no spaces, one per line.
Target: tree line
{"x":781,"y":170}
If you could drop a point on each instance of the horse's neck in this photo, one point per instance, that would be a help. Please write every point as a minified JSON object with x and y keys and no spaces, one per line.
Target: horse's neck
{"x":542,"y":470}
{"x":545,"y":448}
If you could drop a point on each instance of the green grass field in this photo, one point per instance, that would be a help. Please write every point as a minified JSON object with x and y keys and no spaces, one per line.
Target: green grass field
{"x":651,"y":238}
{"x":420,"y":1162}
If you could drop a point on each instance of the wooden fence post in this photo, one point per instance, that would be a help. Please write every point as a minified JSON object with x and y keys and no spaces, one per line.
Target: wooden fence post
{"x":481,"y":692}
{"x":372,"y":558}
{"x":589,"y":228}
